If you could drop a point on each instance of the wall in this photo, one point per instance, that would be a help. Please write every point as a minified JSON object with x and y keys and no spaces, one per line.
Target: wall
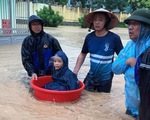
{"x":70,"y":14}
{"x":122,"y":16}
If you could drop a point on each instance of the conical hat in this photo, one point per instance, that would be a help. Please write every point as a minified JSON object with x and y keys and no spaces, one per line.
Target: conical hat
{"x":88,"y":20}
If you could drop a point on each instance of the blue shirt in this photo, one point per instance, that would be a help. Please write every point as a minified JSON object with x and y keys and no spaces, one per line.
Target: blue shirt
{"x":102,"y":51}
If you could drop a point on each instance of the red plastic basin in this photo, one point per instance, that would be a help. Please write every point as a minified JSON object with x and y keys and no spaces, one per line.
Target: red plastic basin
{"x":53,"y":95}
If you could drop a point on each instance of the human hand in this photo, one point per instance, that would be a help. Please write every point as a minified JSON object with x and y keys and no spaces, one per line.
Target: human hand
{"x":131,"y":61}
{"x":34,"y":76}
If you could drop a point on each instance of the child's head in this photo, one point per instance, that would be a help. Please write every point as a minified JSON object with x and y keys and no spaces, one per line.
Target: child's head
{"x":60,"y":60}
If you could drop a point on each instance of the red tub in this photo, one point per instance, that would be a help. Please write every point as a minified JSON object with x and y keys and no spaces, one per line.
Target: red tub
{"x":53,"y":95}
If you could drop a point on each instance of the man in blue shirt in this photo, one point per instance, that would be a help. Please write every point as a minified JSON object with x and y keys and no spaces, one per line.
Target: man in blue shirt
{"x":101,"y":44}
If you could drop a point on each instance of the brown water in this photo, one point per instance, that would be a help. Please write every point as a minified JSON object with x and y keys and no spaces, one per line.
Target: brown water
{"x":71,"y":40}
{"x":17,"y":103}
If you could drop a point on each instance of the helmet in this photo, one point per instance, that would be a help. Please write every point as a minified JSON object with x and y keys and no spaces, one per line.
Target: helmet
{"x":141,"y":15}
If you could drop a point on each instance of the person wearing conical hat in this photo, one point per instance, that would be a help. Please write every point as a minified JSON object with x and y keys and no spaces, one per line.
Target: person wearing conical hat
{"x":101,"y":44}
{"x":139,"y":33}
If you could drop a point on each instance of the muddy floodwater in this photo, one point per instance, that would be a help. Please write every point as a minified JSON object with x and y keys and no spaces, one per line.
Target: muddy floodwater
{"x":17,"y":103}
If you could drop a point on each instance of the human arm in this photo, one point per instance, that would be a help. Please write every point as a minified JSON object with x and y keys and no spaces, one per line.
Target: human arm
{"x":79,"y":62}
{"x":119,"y":66}
{"x":26,"y":57}
{"x":73,"y":81}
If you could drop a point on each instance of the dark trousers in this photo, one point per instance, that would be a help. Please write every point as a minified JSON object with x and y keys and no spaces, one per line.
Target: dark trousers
{"x":103,"y":86}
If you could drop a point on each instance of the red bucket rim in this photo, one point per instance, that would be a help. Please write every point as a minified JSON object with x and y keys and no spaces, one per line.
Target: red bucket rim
{"x":54,"y":91}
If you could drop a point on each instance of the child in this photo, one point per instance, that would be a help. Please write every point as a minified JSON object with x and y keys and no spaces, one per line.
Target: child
{"x":63,"y":78}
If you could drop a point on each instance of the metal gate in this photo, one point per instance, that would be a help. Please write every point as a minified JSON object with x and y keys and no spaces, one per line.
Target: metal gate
{"x":13,"y":20}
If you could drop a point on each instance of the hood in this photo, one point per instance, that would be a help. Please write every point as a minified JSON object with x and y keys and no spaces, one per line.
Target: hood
{"x":34,"y":18}
{"x":141,"y":15}
{"x":143,"y":40}
{"x":60,"y":72}
{"x":63,"y":56}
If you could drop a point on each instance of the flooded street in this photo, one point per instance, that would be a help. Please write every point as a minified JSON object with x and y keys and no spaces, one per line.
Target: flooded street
{"x":17,"y":103}
{"x":71,"y":40}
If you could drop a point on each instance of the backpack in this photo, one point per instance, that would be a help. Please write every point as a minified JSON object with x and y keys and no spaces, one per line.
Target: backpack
{"x":142,"y":78}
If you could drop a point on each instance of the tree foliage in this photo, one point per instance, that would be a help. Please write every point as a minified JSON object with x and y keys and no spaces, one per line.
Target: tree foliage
{"x":60,"y":2}
{"x":136,"y":4}
{"x":110,"y":4}
{"x":49,"y":17}
{"x":81,"y":21}
{"x":52,"y":2}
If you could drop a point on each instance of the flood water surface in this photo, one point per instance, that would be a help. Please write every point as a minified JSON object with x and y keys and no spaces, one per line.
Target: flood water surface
{"x":17,"y":103}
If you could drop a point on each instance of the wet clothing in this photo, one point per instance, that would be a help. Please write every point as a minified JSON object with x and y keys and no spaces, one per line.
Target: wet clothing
{"x":37,"y":49}
{"x":63,"y":79}
{"x":132,"y":49}
{"x":103,"y":86}
{"x":101,"y":51}
{"x":142,"y":77}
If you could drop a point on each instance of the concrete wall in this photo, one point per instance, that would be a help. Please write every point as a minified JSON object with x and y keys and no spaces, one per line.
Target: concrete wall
{"x":18,"y":12}
{"x":70,"y":14}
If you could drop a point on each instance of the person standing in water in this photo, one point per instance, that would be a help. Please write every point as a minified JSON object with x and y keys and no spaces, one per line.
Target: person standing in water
{"x":139,"y":33}
{"x":37,"y":49}
{"x":102,"y":44}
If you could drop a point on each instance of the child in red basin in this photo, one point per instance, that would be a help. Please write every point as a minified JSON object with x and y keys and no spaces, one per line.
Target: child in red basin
{"x":63,"y":78}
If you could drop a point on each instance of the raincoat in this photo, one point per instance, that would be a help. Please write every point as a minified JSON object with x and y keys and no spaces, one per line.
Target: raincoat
{"x":64,"y":78}
{"x":132,"y":49}
{"x":37,"y":49}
